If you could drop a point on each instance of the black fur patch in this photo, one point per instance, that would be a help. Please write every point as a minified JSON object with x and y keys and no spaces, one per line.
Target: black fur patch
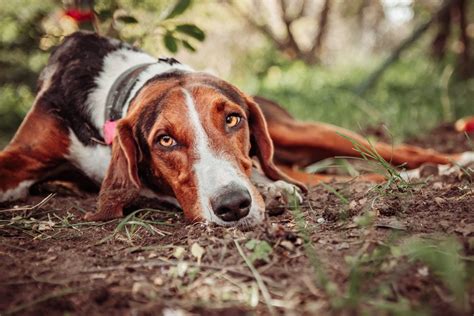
{"x":78,"y":62}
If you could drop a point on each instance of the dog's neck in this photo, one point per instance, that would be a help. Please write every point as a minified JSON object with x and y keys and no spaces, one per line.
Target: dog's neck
{"x":122,"y":92}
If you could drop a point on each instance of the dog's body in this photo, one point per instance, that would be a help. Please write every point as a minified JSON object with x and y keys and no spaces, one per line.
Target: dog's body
{"x":185,"y":136}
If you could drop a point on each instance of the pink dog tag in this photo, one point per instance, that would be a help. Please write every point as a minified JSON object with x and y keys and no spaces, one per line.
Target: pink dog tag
{"x":109,"y":131}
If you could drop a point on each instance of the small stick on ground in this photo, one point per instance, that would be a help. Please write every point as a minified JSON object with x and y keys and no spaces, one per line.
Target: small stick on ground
{"x":258,"y":278}
{"x":30,"y":208}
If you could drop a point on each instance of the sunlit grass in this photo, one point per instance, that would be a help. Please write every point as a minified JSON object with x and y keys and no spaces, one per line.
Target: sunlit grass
{"x":410,"y":98}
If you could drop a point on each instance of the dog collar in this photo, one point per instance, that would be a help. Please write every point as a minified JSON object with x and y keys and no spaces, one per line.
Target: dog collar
{"x":119,"y":94}
{"x":117,"y":97}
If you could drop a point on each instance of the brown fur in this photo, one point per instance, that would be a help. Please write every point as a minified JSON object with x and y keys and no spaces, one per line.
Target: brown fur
{"x":39,"y":145}
{"x":174,"y":168}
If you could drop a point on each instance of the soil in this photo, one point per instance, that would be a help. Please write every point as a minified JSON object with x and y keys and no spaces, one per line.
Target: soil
{"x":341,"y":253}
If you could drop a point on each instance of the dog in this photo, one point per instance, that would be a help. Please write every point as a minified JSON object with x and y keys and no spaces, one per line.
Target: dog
{"x":138,"y":125}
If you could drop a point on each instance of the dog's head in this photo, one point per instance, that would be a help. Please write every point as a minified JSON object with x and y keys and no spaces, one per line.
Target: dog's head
{"x":191,"y":136}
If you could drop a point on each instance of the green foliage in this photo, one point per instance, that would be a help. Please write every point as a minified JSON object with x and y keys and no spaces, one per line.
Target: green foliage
{"x":139,"y":23}
{"x":178,"y":8}
{"x":408,"y":99}
{"x":131,"y":224}
{"x":29,"y":29}
{"x":260,"y":250}
{"x":443,"y":257}
{"x":127,"y":19}
{"x":170,"y":42}
{"x":191,"y":30}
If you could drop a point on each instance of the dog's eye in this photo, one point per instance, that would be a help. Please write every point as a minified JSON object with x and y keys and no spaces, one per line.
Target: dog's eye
{"x":232,"y":120}
{"x":166,"y":141}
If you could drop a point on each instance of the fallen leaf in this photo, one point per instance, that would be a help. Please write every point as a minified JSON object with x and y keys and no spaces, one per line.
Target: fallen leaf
{"x":287,"y":245}
{"x":158,"y":281}
{"x":197,"y":251}
{"x":353,"y":205}
{"x":181,"y":268}
{"x":439,"y":200}
{"x":97,"y":276}
{"x":423,"y":271}
{"x":152,"y":255}
{"x":45,"y":225}
{"x":179,"y":252}
{"x":341,"y":246}
{"x":260,"y":249}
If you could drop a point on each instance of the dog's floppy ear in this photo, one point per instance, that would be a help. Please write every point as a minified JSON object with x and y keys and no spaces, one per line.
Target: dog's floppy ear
{"x":264,"y":145}
{"x":129,"y":147}
{"x":125,"y":156}
{"x":121,"y":184}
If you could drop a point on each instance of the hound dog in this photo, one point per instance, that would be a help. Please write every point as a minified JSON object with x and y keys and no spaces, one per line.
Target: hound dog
{"x":140,"y":125}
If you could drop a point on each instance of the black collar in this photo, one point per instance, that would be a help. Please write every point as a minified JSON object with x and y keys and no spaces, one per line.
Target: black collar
{"x":120,"y":91}
{"x":122,"y":87}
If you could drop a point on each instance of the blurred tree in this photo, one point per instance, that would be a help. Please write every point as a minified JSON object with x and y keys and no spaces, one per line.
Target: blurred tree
{"x":445,"y":22}
{"x":289,"y":13}
{"x":442,"y":16}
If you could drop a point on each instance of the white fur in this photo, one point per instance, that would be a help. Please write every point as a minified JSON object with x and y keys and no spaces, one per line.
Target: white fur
{"x":20,"y":191}
{"x":466,"y":158}
{"x":271,"y":189}
{"x":150,"y":72}
{"x":93,"y":160}
{"x":408,"y":175}
{"x":214,"y":172}
{"x":115,"y":64}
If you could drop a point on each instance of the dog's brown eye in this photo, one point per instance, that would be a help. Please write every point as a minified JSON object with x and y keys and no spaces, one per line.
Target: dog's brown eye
{"x":166,"y":141}
{"x":232,"y":120}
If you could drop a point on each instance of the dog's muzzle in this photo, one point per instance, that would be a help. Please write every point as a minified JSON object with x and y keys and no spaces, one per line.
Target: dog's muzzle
{"x":232,"y":203}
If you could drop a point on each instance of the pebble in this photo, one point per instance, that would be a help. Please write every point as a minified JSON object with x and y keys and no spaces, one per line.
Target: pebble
{"x":287,"y":245}
{"x":439,"y":200}
{"x":321,"y":220}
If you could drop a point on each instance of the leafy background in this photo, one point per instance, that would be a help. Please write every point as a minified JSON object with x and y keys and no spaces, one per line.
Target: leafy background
{"x":225,"y":37}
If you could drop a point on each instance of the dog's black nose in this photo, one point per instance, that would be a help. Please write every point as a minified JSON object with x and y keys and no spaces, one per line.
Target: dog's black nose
{"x":233,"y":204}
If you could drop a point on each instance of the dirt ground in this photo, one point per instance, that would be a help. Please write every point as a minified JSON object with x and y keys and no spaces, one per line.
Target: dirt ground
{"x":350,"y":248}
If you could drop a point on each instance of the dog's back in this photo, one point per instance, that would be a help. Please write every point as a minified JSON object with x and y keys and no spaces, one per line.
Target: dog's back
{"x":71,"y":76}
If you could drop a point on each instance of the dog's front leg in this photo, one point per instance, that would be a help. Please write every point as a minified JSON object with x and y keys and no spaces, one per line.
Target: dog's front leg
{"x":277,"y":194}
{"x":111,"y":203}
{"x":122,"y":184}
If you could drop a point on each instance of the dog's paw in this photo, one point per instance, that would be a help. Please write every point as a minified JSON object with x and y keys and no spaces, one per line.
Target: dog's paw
{"x":278,"y":195}
{"x":463,"y":164}
{"x":466,"y":159}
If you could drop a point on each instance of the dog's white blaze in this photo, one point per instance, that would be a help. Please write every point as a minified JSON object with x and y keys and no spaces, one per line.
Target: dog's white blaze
{"x":213,"y":172}
{"x":93,"y":160}
{"x":21,"y":190}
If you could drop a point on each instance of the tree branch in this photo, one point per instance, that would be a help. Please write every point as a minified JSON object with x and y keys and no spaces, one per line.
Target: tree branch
{"x":315,"y":50}
{"x":420,"y":30}
{"x":292,"y":45}
{"x":263,"y":28}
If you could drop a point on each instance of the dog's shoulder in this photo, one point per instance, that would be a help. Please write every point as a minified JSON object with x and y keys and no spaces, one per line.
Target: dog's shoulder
{"x":71,"y":76}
